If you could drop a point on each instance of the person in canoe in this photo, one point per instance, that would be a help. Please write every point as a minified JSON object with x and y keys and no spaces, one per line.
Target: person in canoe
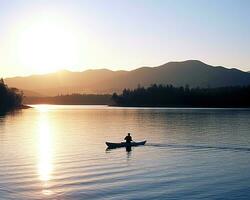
{"x":128,"y":138}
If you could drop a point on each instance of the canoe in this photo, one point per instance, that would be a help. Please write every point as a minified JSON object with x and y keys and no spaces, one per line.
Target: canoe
{"x":124,"y":144}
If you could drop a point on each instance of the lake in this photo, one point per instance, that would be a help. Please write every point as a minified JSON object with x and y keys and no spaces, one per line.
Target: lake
{"x":59,"y":152}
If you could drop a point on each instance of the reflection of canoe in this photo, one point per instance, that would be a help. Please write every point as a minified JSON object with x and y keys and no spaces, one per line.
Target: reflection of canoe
{"x":124,"y":144}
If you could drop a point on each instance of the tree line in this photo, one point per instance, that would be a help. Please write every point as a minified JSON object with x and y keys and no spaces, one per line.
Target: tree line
{"x":170,"y":96}
{"x":10,"y":98}
{"x":72,"y":99}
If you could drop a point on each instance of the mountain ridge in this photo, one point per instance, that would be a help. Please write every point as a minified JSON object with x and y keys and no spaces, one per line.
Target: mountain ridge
{"x":192,"y":72}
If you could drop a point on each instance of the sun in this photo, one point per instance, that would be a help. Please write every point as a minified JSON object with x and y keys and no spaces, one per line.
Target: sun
{"x":48,"y":44}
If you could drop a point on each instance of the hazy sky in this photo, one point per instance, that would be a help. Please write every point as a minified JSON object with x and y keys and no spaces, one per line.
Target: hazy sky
{"x":44,"y":36}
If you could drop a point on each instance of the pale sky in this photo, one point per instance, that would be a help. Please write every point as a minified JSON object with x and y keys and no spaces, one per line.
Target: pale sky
{"x":41,"y":36}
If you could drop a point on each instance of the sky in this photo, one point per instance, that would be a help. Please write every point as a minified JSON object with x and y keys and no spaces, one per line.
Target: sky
{"x":42,"y":36}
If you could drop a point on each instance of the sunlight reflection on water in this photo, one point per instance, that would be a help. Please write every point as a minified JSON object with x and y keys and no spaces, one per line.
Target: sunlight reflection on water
{"x":45,"y":150}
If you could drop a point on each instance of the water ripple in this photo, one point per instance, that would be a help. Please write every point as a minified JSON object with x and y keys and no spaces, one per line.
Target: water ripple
{"x":189,"y":146}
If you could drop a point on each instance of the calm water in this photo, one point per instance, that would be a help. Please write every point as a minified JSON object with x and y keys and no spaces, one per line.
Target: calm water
{"x":59,"y":152}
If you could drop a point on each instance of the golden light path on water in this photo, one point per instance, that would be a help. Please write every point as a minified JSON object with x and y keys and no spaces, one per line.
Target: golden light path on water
{"x":45,"y":149}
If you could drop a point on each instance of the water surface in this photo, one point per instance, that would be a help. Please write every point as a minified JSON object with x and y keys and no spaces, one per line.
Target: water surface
{"x":59,"y":152}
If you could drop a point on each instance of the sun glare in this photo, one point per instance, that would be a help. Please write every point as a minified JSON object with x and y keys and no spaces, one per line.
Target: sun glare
{"x":47,"y":44}
{"x":42,"y":108}
{"x":45,"y":148}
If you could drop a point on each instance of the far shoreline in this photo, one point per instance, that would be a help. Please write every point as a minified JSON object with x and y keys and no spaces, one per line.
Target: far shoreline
{"x":136,"y":106}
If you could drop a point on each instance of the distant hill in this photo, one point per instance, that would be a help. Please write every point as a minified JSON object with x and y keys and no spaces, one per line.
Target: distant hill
{"x":73,"y":99}
{"x":30,"y":93}
{"x":192,"y":72}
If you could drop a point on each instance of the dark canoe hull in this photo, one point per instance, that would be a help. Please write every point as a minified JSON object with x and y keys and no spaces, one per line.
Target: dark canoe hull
{"x":124,"y":144}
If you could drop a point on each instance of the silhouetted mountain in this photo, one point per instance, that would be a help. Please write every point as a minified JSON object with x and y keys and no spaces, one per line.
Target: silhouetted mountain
{"x":30,"y":93}
{"x":191,"y":72}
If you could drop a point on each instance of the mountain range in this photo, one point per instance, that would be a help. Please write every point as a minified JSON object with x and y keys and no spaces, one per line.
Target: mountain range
{"x":192,"y":72}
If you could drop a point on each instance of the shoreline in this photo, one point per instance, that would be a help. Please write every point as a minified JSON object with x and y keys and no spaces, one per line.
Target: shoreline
{"x":175,"y":106}
{"x":142,"y":106}
{"x":19,"y":108}
{"x":23,"y":106}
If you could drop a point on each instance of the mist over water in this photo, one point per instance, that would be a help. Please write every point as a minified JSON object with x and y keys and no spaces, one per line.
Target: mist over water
{"x":59,"y":152}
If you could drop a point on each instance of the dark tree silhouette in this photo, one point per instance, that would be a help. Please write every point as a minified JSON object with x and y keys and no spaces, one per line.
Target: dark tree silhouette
{"x":170,"y":96}
{"x":10,"y":98}
{"x":72,"y":99}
